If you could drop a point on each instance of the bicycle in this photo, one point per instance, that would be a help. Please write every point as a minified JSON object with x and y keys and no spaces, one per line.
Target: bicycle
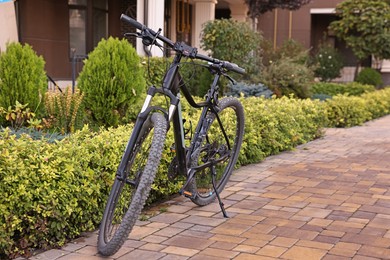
{"x":206,"y":163}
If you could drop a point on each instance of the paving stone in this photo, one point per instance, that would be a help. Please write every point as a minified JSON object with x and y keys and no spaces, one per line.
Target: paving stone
{"x":223,"y":245}
{"x":183,"y":251}
{"x":272,"y":251}
{"x":246,"y":249}
{"x":294,"y":233}
{"x":298,"y":252}
{"x":284,"y":241}
{"x":378,"y":252}
{"x":141,"y":254}
{"x":246,"y":256}
{"x":50,"y":254}
{"x":168,"y":217}
{"x":189,"y":242}
{"x":168,"y":232}
{"x":77,"y":256}
{"x":219,"y":252}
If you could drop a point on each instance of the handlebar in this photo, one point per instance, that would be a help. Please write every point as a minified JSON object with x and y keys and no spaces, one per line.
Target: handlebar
{"x":181,"y":47}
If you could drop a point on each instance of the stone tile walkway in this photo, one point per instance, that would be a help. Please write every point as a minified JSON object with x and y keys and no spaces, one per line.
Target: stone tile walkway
{"x":328,"y":199}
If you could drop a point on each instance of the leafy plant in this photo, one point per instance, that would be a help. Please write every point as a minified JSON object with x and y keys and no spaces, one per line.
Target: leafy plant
{"x":18,"y":116}
{"x":328,"y":63}
{"x":112,"y":81}
{"x":64,"y":111}
{"x":22,"y":77}
{"x":285,"y":77}
{"x":290,"y":49}
{"x":233,"y":41}
{"x":370,"y":76}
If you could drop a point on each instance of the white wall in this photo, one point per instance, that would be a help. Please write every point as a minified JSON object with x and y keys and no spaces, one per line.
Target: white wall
{"x":8,"y":28}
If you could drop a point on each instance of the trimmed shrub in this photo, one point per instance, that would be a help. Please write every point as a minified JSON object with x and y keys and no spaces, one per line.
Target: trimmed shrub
{"x":345,"y":111}
{"x":54,"y":191}
{"x":278,"y":124}
{"x":285,"y":77}
{"x":370,"y":76}
{"x":378,"y":102}
{"x":328,"y":63}
{"x":112,"y":82}
{"x":333,"y":89}
{"x":22,"y":77}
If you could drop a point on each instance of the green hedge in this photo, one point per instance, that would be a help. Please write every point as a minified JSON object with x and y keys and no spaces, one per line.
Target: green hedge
{"x":54,"y":191}
{"x":344,"y":111}
{"x":333,"y":89}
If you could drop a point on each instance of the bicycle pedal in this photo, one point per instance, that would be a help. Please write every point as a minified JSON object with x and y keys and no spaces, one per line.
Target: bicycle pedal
{"x":188,"y":194}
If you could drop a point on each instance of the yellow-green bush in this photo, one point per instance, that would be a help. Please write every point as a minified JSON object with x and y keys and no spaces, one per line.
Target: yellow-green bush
{"x":347,"y":111}
{"x":275,"y":125}
{"x":52,"y":192}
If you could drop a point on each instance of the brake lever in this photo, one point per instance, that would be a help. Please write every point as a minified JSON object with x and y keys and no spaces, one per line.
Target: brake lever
{"x":137,"y":34}
{"x":229,"y":78}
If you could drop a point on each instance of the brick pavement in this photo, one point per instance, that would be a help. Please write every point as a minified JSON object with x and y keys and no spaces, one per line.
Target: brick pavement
{"x":328,"y":199}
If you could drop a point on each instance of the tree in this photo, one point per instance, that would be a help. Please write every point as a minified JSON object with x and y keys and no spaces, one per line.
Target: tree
{"x":258,"y":7}
{"x":364,"y":25}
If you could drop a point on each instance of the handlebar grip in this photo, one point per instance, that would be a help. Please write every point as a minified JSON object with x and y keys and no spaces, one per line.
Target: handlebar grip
{"x":234,"y":67}
{"x":132,"y":22}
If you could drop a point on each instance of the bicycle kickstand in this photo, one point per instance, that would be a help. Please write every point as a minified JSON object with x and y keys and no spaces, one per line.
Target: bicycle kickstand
{"x":216,"y":192}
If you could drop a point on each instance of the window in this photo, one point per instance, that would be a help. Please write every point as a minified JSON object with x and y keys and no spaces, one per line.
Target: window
{"x":100,"y":20}
{"x":88,"y":24}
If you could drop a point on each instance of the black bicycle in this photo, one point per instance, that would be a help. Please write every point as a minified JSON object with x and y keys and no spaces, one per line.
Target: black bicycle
{"x":206,"y":163}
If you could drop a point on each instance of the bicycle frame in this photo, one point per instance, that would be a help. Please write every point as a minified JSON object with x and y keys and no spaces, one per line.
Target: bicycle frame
{"x":172,"y":84}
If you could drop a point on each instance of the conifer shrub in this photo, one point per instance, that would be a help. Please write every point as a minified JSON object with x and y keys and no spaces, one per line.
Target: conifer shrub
{"x":22,"y":77}
{"x":248,"y":90}
{"x":112,"y":82}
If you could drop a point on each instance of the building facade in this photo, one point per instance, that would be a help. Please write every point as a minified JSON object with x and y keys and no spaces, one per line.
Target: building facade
{"x":65,"y":31}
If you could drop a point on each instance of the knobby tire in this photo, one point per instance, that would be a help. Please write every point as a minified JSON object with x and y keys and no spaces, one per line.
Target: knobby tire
{"x":127,"y":197}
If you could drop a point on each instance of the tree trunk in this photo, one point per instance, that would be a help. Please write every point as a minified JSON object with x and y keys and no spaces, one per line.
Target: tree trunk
{"x":358,"y":65}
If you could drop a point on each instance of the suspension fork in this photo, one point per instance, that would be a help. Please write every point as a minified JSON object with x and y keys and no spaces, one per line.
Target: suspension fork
{"x":141,"y":119}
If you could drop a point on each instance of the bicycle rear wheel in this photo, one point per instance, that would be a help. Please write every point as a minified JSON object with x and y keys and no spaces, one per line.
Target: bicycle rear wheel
{"x":128,"y":196}
{"x":217,"y":153}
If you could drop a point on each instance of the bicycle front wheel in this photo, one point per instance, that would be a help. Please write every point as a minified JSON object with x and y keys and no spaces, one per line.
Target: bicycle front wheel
{"x":218,"y":151}
{"x":129,"y":194}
